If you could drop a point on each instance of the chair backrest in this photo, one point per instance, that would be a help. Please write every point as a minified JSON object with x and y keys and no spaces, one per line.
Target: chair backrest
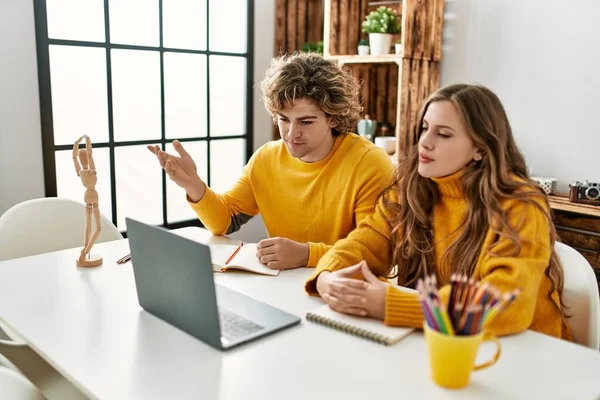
{"x":47,"y":224}
{"x":580,"y":295}
{"x":252,"y":231}
{"x":15,"y":386}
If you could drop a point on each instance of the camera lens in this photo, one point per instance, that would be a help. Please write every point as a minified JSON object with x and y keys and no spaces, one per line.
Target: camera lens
{"x":592,"y":193}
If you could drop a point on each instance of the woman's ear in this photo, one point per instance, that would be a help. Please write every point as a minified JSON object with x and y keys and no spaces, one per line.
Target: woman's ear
{"x":478,"y":155}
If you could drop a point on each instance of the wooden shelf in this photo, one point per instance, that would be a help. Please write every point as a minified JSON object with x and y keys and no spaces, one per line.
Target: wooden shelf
{"x":561,"y":202}
{"x":355,"y":59}
{"x":418,"y":64}
{"x":384,"y":3}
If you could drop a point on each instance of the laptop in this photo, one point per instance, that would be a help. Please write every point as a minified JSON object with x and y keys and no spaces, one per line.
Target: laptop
{"x":174,"y":281}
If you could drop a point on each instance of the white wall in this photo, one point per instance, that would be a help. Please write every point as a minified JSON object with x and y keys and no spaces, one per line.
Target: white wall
{"x":21,"y":166}
{"x":21,"y":169}
{"x":264,"y":43}
{"x":542,"y":58}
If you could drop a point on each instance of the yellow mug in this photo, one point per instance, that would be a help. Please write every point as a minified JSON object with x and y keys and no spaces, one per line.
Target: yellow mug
{"x":452,"y":358}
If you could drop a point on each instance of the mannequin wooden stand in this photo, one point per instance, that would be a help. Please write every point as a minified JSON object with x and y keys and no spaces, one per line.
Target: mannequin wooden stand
{"x":86,"y":170}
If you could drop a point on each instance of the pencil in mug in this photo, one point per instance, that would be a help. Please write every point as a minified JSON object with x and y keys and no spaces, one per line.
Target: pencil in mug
{"x":452,"y":299}
{"x":471,"y":307}
{"x":427,"y":311}
{"x":436,"y":315}
{"x":460,"y":291}
{"x":439,"y":307}
{"x":507,"y":299}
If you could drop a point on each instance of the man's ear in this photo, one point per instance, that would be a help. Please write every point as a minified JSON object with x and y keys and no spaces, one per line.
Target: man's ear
{"x":330,"y":121}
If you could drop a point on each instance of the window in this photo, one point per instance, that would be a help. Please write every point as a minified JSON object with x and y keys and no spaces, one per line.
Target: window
{"x":129,"y":73}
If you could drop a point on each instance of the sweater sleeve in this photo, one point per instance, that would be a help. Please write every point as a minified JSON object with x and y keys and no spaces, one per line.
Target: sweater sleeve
{"x":315,"y":252}
{"x":226,"y":213}
{"x":370,"y":241}
{"x":505,"y":266}
{"x":374,"y":173}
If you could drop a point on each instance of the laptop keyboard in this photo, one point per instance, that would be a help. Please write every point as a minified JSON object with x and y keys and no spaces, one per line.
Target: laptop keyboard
{"x":235,"y":327}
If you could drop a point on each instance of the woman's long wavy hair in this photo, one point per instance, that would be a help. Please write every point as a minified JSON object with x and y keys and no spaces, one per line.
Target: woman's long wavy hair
{"x":485,"y":184}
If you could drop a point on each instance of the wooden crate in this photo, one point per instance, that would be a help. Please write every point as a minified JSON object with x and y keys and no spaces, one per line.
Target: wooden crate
{"x":297,"y":22}
{"x":417,"y":67}
{"x":393,"y":86}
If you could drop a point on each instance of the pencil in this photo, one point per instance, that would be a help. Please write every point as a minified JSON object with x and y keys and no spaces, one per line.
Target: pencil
{"x":495,"y":298}
{"x":438,"y":317}
{"x":476,"y":324}
{"x":426,"y":308}
{"x":457,"y":317}
{"x":234,"y":253}
{"x":507,"y":299}
{"x":466,"y":330}
{"x":445,"y":318}
{"x":470,"y":291}
{"x":463,"y":288}
{"x":453,"y":285}
{"x":124,"y":259}
{"x":481,"y":292}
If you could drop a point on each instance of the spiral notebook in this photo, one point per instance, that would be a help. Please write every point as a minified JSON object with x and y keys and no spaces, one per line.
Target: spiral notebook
{"x":365,"y":328}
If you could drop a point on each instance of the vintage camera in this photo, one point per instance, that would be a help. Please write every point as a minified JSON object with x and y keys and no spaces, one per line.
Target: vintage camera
{"x":585,"y":192}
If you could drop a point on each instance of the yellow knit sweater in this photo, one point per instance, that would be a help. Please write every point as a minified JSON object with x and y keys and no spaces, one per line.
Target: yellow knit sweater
{"x":532,"y":309}
{"x":315,"y":203}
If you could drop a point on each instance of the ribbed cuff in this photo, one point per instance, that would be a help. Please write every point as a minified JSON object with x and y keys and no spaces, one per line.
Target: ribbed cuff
{"x":313,"y":255}
{"x":204,"y":201}
{"x":402,"y":309}
{"x":205,"y":211}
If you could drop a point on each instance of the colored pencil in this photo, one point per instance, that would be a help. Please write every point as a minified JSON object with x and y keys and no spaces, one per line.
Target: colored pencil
{"x":471,"y":306}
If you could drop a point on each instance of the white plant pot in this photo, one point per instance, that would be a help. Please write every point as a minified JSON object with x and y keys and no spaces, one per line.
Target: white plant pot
{"x":363,"y":50}
{"x":398,"y":47}
{"x":380,"y":43}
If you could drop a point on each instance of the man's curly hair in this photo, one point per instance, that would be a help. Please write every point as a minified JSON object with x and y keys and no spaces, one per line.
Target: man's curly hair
{"x":303,"y":75}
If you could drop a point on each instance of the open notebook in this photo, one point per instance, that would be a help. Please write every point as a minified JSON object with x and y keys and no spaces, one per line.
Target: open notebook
{"x":244,"y":259}
{"x":365,"y":328}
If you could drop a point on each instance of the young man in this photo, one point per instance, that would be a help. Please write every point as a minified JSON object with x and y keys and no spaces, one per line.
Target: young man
{"x":314,"y":185}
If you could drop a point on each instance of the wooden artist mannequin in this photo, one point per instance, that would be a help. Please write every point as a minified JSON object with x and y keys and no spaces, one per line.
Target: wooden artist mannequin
{"x":86,"y":170}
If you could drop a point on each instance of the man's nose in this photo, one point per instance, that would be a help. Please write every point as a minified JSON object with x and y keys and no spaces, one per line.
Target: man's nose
{"x":294,"y":131}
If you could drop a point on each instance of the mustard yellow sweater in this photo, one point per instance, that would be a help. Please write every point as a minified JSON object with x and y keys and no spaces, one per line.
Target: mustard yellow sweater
{"x":316,"y":203}
{"x":532,"y":309}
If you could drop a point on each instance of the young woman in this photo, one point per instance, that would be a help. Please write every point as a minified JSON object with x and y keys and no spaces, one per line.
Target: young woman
{"x":462,"y":203}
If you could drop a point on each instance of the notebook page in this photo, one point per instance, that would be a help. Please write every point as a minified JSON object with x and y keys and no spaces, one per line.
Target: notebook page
{"x":246,"y":259}
{"x":219,"y":253}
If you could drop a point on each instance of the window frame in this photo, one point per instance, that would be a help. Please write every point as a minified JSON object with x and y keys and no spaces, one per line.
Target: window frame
{"x":49,"y":149}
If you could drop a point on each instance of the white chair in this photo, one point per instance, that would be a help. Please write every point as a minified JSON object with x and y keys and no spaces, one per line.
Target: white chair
{"x":34,"y":227}
{"x":16,"y":387}
{"x":580,"y":295}
{"x":47,"y":224}
{"x":252,"y":231}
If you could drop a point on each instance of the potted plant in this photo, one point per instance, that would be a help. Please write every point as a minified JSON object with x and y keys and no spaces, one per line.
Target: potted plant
{"x":380,"y":25}
{"x":313,"y":47}
{"x":363,"y":47}
{"x":398,"y":46}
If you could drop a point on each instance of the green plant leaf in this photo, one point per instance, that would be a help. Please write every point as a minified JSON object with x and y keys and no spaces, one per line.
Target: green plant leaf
{"x":382,"y":20}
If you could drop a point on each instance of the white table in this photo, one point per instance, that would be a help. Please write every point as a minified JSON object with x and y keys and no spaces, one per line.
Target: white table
{"x":89,"y":326}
